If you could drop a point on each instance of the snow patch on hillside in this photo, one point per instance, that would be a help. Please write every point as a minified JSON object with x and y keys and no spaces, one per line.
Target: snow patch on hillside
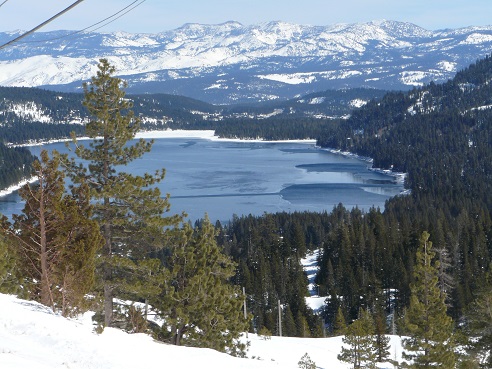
{"x":413,"y":78}
{"x":476,"y":39}
{"x":358,"y":103}
{"x":447,"y":66}
{"x":29,"y":110}
{"x":291,"y":79}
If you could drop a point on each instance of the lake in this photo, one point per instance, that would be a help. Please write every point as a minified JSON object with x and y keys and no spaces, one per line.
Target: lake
{"x":222,"y":178}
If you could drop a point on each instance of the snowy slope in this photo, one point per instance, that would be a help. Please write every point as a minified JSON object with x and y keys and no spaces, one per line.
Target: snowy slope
{"x":232,"y":62}
{"x":31,"y":336}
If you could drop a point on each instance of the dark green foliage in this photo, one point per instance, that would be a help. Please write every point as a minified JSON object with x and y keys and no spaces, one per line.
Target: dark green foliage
{"x":274,"y":128}
{"x":381,"y":340}
{"x":359,"y":338}
{"x":199,"y":305}
{"x":431,"y":342}
{"x":9,"y":279}
{"x":339,"y":323}
{"x":15,"y":165}
{"x":268,"y":250}
{"x":479,"y":316}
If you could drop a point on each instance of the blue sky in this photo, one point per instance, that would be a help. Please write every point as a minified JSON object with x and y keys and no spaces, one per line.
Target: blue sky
{"x":154,"y":16}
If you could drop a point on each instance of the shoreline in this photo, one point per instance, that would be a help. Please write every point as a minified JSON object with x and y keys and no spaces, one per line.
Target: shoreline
{"x":16,"y":187}
{"x":178,"y":133}
{"x":398,"y":176}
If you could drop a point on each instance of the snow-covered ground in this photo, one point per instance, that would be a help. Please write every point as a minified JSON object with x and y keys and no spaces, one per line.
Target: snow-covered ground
{"x":310,"y":266}
{"x":31,"y":336}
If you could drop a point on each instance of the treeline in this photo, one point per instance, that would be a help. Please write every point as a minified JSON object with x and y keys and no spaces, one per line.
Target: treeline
{"x":274,"y":128}
{"x":441,"y":135}
{"x":23,"y":132}
{"x":15,"y":165}
{"x":366,"y":258}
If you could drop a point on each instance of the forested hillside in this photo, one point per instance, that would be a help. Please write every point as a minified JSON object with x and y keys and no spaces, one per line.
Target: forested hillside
{"x":15,"y":165}
{"x":440,"y":135}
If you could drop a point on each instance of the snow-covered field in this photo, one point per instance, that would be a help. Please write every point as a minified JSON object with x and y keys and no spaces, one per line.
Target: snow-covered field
{"x":31,"y":336}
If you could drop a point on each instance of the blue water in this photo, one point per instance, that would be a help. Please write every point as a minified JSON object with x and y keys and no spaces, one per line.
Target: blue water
{"x":223,"y":178}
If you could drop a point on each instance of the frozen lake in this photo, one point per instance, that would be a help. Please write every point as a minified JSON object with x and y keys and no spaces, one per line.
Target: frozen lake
{"x":223,"y":178}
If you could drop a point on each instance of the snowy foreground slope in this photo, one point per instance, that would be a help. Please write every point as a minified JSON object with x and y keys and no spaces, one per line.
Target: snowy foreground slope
{"x":31,"y":336}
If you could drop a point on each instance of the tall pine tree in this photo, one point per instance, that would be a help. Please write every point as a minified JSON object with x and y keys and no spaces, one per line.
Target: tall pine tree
{"x":128,"y":208}
{"x":431,"y":343}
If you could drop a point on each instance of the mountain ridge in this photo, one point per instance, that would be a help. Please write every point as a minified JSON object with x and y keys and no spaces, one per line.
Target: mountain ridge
{"x":230,"y":63}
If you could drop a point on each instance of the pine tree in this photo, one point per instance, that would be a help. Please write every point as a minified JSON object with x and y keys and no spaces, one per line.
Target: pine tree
{"x":381,"y":340}
{"x":431,"y":342}
{"x":302,"y":325}
{"x":9,"y":282}
{"x":54,"y":238}
{"x":128,"y":208}
{"x":198,"y":303}
{"x":289,"y":328}
{"x":339,"y":325}
{"x":480,"y":322}
{"x":359,"y":338}
{"x":306,"y":362}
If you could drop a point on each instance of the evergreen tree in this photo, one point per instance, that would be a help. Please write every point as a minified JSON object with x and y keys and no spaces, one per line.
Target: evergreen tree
{"x":302,"y":325}
{"x":289,"y":328}
{"x":431,"y":342}
{"x":306,"y":362}
{"x":198,"y":303}
{"x":55,"y":240}
{"x":381,"y":340}
{"x":480,"y":323}
{"x":127,"y":207}
{"x":9,"y":283}
{"x":339,"y":325}
{"x":359,"y":338}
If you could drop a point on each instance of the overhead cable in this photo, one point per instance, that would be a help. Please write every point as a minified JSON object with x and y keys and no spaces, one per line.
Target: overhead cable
{"x":3,"y":3}
{"x":42,"y":24}
{"x":92,"y":25}
{"x":129,"y":10}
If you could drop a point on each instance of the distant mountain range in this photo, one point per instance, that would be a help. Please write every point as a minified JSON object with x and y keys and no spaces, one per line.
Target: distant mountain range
{"x":232,"y":63}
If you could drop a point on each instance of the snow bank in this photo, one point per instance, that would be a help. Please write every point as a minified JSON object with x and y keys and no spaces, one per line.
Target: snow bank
{"x":32,"y":336}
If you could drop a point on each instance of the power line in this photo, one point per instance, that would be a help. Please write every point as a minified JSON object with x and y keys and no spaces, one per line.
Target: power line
{"x":93,"y":25}
{"x":3,"y":3}
{"x":129,"y":10}
{"x":42,"y":24}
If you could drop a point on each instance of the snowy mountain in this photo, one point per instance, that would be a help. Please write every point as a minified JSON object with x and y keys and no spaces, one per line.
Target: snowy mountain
{"x":231,"y":62}
{"x":32,"y":336}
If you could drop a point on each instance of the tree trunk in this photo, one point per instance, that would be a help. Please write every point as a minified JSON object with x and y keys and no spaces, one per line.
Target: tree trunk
{"x":43,"y":252}
{"x":107,"y":275}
